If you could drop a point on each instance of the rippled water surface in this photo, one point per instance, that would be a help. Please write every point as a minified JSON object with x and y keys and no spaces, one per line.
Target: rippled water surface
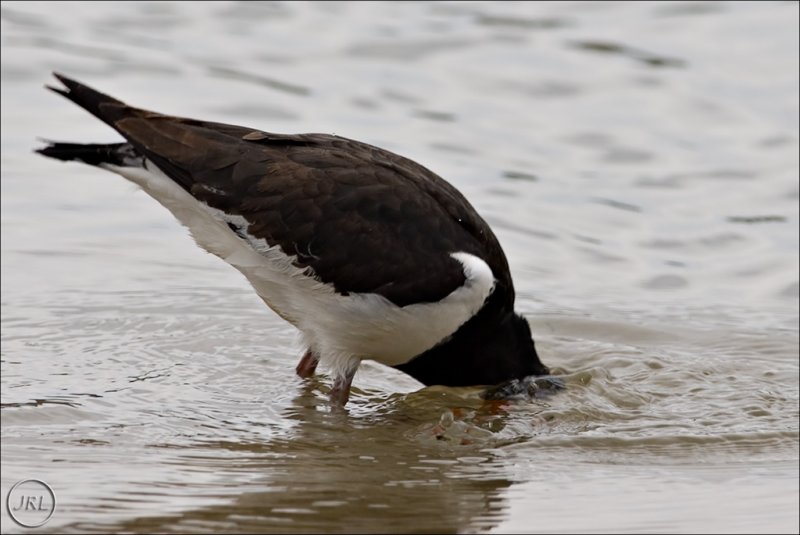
{"x":638,"y":162}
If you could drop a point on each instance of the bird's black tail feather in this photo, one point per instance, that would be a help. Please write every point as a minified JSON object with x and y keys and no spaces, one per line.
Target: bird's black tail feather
{"x":106,"y":108}
{"x":121,"y":154}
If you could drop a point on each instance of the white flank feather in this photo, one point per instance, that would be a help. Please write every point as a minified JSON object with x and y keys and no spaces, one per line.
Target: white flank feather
{"x":342,"y":330}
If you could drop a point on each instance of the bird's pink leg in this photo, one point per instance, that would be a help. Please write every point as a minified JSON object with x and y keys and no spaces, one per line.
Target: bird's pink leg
{"x":340,"y":392}
{"x":307,"y":365}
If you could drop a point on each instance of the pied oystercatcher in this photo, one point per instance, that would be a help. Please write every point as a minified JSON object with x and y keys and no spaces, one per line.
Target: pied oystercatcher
{"x":370,"y":255}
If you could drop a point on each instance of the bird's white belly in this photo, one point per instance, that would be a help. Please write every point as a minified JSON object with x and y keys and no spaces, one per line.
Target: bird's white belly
{"x":339,"y":328}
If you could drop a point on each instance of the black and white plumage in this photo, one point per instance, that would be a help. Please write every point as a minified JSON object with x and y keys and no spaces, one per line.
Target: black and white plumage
{"x":369,"y":254}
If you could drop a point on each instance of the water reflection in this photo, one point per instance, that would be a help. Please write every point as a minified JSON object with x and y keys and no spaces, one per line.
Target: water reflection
{"x":383,"y":471}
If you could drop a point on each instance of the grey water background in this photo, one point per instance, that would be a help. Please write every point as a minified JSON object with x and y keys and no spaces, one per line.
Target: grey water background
{"x":638,"y":162}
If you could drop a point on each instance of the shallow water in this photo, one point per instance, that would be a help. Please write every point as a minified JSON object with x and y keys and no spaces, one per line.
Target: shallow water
{"x":638,"y":162}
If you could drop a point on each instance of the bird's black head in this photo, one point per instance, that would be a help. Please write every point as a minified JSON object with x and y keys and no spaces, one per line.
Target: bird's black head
{"x":480,"y":353}
{"x":526,"y":348}
{"x":513,"y":351}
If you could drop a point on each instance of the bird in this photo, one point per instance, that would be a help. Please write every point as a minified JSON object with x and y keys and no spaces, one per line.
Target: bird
{"x":369,"y":255}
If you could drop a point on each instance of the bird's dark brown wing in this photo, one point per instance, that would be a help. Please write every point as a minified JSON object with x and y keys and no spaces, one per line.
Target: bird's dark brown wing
{"x":341,"y":206}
